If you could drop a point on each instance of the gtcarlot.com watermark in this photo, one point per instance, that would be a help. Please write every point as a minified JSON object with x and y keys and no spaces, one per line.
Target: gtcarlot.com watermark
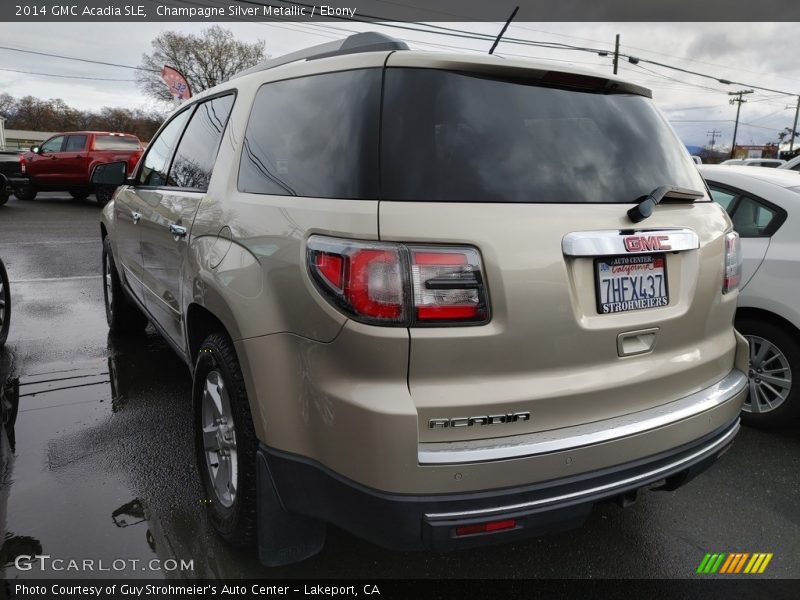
{"x":45,"y":562}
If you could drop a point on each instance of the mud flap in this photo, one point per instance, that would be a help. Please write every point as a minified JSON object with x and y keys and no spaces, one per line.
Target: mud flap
{"x":283,"y":538}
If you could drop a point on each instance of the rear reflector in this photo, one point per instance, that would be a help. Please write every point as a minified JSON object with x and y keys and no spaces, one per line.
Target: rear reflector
{"x":490,"y":527}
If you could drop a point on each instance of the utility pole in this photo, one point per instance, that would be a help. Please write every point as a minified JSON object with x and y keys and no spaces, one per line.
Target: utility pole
{"x":738,"y":101}
{"x":713,"y":133}
{"x":794,"y":127}
{"x":616,"y":54}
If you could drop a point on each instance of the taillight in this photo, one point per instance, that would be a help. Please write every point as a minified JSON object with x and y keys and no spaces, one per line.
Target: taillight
{"x":733,"y":263}
{"x":395,"y":284}
{"x":448,"y":285}
{"x":23,"y":166}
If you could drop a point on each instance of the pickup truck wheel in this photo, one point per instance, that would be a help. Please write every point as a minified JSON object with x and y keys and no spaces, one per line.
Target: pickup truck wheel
{"x":225,"y":441}
{"x":79,"y":196}
{"x":122,"y":315}
{"x":26,"y":192}
{"x":5,"y":305}
{"x":104,"y":193}
{"x":4,"y":196}
{"x":774,"y":399}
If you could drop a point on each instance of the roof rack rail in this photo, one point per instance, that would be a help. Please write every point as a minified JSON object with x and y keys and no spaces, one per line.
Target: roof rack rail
{"x":368,"y":41}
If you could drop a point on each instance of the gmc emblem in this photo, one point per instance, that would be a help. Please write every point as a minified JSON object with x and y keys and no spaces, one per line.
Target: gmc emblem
{"x":647,"y":243}
{"x":482,"y":420}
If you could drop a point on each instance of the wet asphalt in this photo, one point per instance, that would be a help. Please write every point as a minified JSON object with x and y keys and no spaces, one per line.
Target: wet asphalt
{"x":104,"y":469}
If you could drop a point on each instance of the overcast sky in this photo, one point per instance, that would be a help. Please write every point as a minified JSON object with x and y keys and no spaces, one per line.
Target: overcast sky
{"x":762,"y":54}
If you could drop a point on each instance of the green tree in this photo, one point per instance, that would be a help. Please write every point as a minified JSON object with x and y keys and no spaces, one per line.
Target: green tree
{"x":206,"y":60}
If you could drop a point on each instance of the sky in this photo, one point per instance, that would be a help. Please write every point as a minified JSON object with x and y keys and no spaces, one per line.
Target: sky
{"x":760,"y":54}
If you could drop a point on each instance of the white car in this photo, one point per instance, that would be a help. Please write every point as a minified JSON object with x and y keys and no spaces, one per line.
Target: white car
{"x":771,"y":163}
{"x":764,"y":205}
{"x":793,"y":165}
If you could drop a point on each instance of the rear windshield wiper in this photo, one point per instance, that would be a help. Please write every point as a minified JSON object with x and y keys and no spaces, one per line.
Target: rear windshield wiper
{"x":645,"y":208}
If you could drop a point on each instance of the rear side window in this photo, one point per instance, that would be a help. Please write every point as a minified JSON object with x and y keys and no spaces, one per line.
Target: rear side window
{"x":75,"y":143}
{"x":751,"y":217}
{"x":451,"y":136}
{"x":314,"y":136}
{"x":197,"y":151}
{"x":722,"y":197}
{"x":156,"y":161}
{"x":115,"y":142}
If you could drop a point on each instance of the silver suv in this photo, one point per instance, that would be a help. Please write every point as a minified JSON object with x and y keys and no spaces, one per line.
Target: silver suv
{"x":436,"y":300}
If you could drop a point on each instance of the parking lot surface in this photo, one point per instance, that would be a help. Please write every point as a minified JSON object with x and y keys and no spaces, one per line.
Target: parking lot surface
{"x":104,"y":467}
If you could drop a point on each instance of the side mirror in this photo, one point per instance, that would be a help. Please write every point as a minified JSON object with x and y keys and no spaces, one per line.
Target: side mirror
{"x":35,"y":149}
{"x":114,"y":173}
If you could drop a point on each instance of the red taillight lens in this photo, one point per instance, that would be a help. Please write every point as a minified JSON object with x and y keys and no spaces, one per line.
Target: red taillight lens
{"x":374,"y":286}
{"x":394,"y":284}
{"x":23,"y":166}
{"x":490,"y":527}
{"x":365,"y":279}
{"x":331,"y":267}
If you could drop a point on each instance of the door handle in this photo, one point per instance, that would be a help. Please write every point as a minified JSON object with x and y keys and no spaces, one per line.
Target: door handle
{"x":136,"y":216}
{"x":177,"y":230}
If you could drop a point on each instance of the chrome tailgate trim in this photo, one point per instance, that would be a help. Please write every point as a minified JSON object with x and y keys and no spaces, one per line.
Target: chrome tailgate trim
{"x":588,"y":434}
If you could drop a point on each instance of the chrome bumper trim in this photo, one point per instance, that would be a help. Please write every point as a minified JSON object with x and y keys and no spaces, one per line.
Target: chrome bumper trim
{"x":589,"y":434}
{"x":605,"y":490}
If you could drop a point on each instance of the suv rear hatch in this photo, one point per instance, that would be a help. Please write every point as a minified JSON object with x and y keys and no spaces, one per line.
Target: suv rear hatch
{"x":593,"y":316}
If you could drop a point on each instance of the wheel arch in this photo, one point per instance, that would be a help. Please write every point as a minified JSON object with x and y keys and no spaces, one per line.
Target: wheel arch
{"x":202,"y":322}
{"x":760,"y":314}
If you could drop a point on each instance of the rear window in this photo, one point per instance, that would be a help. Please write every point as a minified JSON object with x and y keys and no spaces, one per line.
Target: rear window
{"x":457,"y":137}
{"x":314,"y":136}
{"x":115,"y":142}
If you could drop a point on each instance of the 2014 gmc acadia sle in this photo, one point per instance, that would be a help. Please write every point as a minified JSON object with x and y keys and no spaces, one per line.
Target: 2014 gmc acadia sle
{"x":437,"y":300}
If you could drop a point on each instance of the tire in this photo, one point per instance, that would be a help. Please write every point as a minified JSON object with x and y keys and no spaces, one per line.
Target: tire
{"x":219,"y":393}
{"x":4,"y":196}
{"x":775,"y":349}
{"x":80,"y":196}
{"x":5,"y":304}
{"x":104,"y":193}
{"x":122,"y":315}
{"x":26,"y":192}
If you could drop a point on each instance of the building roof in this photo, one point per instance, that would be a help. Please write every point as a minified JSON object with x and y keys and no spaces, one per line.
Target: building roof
{"x":26,"y":134}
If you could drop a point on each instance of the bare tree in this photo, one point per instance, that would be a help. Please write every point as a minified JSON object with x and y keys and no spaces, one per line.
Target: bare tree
{"x":205,"y":60}
{"x":56,"y":115}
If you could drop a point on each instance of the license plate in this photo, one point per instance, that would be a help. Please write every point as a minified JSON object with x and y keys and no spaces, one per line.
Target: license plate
{"x":626,"y":283}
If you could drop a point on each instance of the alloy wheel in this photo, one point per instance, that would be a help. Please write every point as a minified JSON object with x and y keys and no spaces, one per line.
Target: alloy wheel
{"x":109,"y":285}
{"x":3,"y":300}
{"x":219,"y":438}
{"x":770,"y":376}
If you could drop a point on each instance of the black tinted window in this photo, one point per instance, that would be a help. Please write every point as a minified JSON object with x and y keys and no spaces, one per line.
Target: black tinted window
{"x":314,"y":136}
{"x":75,"y":143}
{"x":456,"y":137}
{"x":197,"y":151}
{"x":159,"y":153}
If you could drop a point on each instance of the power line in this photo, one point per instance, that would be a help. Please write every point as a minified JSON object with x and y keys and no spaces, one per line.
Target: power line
{"x":65,"y":76}
{"x":86,"y":60}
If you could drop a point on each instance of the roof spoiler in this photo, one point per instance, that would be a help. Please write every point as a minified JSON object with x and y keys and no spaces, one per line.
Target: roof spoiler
{"x":369,"y":41}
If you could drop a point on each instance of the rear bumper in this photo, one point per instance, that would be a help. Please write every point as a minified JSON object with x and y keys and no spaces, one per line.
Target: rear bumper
{"x":409,"y":522}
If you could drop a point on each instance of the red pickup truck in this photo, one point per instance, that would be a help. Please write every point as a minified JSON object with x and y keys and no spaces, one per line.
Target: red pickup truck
{"x":66,"y":161}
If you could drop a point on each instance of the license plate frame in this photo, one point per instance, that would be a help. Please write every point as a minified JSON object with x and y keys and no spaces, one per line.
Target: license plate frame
{"x":643,"y":302}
